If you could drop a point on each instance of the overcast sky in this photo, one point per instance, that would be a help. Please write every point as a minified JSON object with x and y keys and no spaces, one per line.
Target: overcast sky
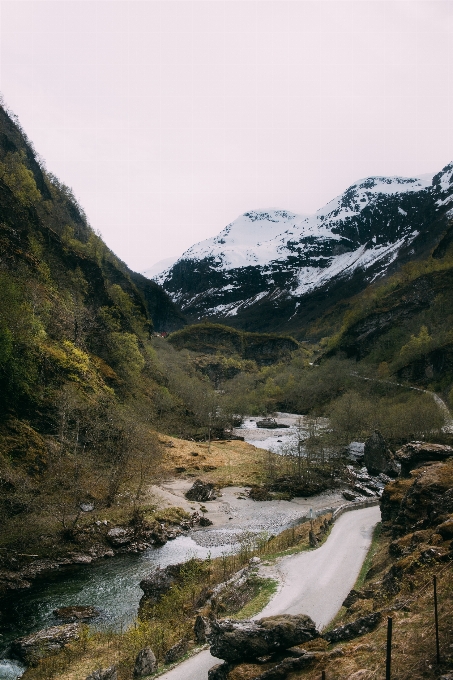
{"x":169,"y":119}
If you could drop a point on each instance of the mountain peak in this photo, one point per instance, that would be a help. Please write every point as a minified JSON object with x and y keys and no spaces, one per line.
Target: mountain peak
{"x":276,"y":257}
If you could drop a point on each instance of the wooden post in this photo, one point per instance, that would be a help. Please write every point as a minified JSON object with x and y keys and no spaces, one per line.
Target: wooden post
{"x":323,"y":677}
{"x":436,"y":619}
{"x":388,"y":662}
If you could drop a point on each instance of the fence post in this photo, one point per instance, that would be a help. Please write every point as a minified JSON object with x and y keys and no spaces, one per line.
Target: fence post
{"x":388,"y":662}
{"x":323,"y":676}
{"x":436,"y":619}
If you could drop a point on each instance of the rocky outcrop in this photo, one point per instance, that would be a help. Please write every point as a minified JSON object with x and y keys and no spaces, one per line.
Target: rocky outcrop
{"x":33,"y":647}
{"x":414,"y":454}
{"x":424,"y":501}
{"x":77,"y":613}
{"x":236,"y":641}
{"x":378,"y":457}
{"x":145,"y":663}
{"x":201,"y":492}
{"x":352,"y":630}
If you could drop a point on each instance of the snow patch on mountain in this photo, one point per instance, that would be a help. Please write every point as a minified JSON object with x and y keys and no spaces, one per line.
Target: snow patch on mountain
{"x":274,"y":255}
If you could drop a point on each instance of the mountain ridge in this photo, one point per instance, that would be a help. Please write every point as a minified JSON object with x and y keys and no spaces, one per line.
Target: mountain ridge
{"x":269,"y":263}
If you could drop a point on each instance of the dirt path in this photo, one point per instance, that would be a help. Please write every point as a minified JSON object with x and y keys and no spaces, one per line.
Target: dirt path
{"x":313,"y":583}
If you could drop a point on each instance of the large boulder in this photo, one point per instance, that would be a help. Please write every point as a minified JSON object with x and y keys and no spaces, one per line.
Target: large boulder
{"x":201,"y":492}
{"x":33,"y":647}
{"x":378,"y":457}
{"x":145,"y":663}
{"x":414,"y":454}
{"x":236,"y":641}
{"x":159,"y":582}
{"x":352,"y":630}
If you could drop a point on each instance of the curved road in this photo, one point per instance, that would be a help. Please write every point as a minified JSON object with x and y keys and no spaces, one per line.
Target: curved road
{"x":313,"y":583}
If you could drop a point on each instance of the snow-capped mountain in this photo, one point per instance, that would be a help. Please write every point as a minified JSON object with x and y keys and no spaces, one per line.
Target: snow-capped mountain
{"x":273,"y":261}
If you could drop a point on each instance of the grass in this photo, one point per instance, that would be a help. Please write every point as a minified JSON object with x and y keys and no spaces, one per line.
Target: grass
{"x":267,"y":587}
{"x":235,"y":463}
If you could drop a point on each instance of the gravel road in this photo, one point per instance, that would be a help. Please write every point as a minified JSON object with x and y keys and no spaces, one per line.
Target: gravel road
{"x":313,"y":583}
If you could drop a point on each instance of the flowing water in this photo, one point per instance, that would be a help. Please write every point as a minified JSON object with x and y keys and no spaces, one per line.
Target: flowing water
{"x":111,"y":585}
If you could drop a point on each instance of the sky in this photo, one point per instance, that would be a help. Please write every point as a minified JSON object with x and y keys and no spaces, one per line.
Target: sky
{"x":169,"y":119}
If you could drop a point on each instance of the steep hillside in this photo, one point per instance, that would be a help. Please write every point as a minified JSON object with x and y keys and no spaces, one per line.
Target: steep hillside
{"x":209,"y":338}
{"x":405,"y":325}
{"x":83,"y":385}
{"x":275,"y":270}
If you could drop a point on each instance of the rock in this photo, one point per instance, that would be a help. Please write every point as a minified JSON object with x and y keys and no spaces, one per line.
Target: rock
{"x":205,"y":522}
{"x":201,"y":492}
{"x":259,"y":493}
{"x":254,"y":562}
{"x":220,"y":671}
{"x":425,"y":501}
{"x":86,"y":507}
{"x":109,"y":673}
{"x":236,"y":641}
{"x":287,"y":666}
{"x":177,"y":651}
{"x":377,"y":456}
{"x":145,"y":663}
{"x":414,"y":454}
{"x":79,"y":558}
{"x":268,"y":423}
{"x":364,"y":490}
{"x":362,"y":674}
{"x":351,"y":630}
{"x":351,"y":598}
{"x":45,"y":642}
{"x":76,"y":613}
{"x":349,"y":496}
{"x":202,"y":629}
{"x":119,"y":536}
{"x":446,"y":529}
{"x":160,"y":581}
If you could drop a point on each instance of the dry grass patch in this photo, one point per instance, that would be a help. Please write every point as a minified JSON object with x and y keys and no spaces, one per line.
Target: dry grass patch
{"x":225,"y":463}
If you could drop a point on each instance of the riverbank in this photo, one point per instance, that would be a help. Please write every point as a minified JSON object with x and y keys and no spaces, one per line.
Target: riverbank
{"x":151,"y":519}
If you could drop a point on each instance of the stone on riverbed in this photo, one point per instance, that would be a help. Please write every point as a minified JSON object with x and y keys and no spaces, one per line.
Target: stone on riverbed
{"x":237,"y":641}
{"x":33,"y":647}
{"x":201,"y":492}
{"x":76,"y":613}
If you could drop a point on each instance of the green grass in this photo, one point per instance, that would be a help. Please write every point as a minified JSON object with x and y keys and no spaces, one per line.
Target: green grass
{"x":267,"y":589}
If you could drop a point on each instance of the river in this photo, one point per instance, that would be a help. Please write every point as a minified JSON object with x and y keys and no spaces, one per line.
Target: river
{"x":112,"y":584}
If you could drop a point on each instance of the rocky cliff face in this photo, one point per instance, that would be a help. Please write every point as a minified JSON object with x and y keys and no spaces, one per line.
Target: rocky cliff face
{"x":267,"y":268}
